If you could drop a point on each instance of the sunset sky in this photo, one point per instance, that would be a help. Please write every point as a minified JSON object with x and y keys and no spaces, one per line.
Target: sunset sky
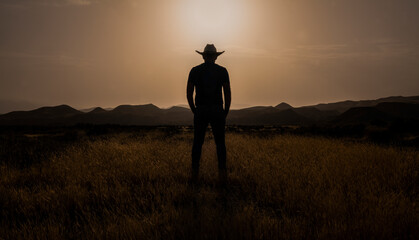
{"x":105,"y":53}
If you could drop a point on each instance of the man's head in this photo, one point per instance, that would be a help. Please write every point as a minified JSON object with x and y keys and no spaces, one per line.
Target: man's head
{"x":210,"y":53}
{"x":209,"y":58}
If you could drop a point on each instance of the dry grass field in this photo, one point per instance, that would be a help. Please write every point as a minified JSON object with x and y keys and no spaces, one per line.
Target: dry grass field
{"x":134,"y":185}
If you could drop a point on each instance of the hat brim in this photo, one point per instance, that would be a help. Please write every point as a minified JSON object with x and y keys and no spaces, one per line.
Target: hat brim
{"x":215,"y":53}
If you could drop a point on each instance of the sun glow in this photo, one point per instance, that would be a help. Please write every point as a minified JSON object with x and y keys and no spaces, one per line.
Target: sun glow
{"x":212,"y":20}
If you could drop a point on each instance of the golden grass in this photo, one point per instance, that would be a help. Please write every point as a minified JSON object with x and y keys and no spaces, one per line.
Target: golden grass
{"x":135,"y":186}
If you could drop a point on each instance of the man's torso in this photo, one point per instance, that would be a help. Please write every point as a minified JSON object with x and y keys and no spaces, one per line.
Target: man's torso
{"x":208,"y":80}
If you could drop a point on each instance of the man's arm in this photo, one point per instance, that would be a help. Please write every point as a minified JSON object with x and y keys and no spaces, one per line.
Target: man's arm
{"x":227,"y":97}
{"x":189,"y":93}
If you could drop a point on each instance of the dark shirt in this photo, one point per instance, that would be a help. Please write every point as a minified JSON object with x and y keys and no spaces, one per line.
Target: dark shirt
{"x":208,"y":79}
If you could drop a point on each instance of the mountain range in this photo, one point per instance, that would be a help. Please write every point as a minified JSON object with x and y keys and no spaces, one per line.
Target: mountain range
{"x":380,"y":111}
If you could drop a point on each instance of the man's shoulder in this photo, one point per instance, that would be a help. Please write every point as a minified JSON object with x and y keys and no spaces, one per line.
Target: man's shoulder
{"x":199,"y":66}
{"x":221,"y":67}
{"x":196,"y":68}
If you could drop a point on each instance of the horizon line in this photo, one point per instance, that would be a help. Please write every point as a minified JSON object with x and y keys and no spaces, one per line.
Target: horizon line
{"x":185,"y":105}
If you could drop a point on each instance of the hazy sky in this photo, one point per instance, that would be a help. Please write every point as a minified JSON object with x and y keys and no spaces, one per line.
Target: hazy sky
{"x":110,"y":52}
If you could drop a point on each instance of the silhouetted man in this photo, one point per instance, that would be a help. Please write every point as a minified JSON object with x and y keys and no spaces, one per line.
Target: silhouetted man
{"x":208,"y":79}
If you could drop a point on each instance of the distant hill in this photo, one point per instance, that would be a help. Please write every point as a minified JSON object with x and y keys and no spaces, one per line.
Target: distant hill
{"x":361,"y":115}
{"x":266,"y":116}
{"x":381,"y":114}
{"x":283,"y":106}
{"x":316,"y":114}
{"x":97,"y":110}
{"x":400,"y":110}
{"x":380,"y":111}
{"x":147,"y":114}
{"x":86,"y":110}
{"x":41,"y":116}
{"x":7,"y":106}
{"x":346,"y":105}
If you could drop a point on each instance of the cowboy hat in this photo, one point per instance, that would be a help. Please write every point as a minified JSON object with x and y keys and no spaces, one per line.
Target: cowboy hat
{"x":210,"y":49}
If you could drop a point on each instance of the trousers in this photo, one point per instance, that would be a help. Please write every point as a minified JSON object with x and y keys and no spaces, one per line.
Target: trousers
{"x":204,"y":115}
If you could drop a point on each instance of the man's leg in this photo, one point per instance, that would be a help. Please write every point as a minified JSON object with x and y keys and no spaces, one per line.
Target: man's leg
{"x":218,"y":130}
{"x":200,"y":126}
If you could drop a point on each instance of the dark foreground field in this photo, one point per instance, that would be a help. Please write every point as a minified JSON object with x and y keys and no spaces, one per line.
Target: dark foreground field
{"x":134,"y":185}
